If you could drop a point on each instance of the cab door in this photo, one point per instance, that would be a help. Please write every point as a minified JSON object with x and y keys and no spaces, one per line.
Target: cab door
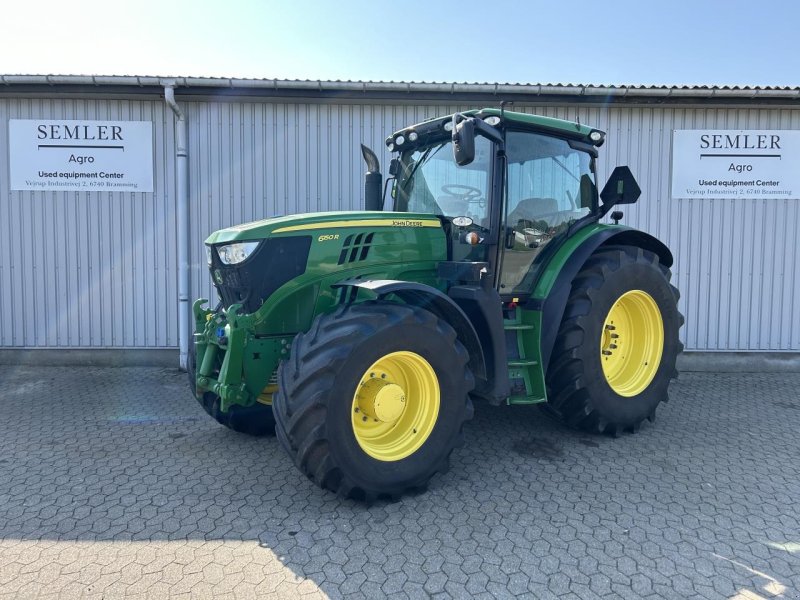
{"x":548,"y":186}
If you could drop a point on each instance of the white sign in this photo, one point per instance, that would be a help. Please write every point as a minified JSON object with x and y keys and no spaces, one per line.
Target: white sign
{"x":736,"y":163}
{"x":89,"y":156}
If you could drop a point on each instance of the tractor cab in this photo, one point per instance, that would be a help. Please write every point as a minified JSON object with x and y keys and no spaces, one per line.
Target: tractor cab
{"x":524,"y":183}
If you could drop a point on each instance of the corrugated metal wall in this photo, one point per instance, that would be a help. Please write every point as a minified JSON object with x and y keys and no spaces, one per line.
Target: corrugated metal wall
{"x":737,"y":260}
{"x":89,"y":269}
{"x":98,"y":269}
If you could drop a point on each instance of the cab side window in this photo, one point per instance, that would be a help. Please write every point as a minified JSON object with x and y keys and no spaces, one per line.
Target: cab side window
{"x":548,"y":186}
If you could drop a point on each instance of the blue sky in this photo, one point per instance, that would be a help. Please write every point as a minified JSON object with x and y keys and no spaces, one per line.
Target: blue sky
{"x":576,"y":41}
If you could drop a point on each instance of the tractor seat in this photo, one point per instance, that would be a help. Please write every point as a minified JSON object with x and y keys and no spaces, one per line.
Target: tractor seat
{"x":517,"y":261}
{"x":532,"y":209}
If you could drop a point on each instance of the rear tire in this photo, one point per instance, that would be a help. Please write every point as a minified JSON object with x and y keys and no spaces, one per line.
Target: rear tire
{"x":617,"y":344}
{"x":319,"y":405}
{"x":256,"y":420}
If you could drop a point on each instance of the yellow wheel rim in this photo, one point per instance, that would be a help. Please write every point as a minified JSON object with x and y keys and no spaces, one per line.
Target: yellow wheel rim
{"x":395,"y":406}
{"x":631,"y":343}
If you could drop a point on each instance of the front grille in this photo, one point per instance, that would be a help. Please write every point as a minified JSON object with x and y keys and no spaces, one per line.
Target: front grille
{"x":273,"y":263}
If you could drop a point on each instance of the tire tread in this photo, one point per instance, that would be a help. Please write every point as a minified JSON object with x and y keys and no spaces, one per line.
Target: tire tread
{"x":304,"y":380}
{"x":567,"y":383}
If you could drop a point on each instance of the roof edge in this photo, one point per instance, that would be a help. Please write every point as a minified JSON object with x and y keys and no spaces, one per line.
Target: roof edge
{"x":590,"y":93}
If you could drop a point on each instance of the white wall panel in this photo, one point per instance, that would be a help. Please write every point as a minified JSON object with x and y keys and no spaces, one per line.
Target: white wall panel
{"x":99,"y":269}
{"x":736,"y":259}
{"x":88,"y":269}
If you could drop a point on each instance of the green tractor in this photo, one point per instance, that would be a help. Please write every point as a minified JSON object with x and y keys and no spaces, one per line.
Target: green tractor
{"x":363,"y":338}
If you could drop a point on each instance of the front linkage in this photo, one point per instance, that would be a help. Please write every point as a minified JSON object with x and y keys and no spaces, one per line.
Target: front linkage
{"x":225,"y":345}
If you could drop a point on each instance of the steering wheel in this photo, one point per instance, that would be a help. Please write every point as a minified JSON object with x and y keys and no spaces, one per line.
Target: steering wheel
{"x":465,"y":193}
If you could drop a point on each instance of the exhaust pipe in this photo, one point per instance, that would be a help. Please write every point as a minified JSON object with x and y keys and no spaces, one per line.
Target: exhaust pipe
{"x":373,"y":181}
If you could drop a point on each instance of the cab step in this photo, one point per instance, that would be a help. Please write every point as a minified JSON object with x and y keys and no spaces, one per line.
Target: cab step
{"x":522,"y":362}
{"x":517,"y":327}
{"x":524,"y":367}
{"x":526,"y":400}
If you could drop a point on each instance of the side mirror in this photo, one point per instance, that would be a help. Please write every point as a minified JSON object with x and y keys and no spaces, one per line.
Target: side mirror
{"x":621,"y":188}
{"x":463,"y":140}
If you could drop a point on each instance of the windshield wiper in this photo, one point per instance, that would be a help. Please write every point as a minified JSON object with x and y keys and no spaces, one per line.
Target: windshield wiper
{"x":419,"y":163}
{"x":570,"y":173}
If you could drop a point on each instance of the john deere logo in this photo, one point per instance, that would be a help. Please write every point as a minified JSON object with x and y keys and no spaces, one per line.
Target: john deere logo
{"x":218,"y":276}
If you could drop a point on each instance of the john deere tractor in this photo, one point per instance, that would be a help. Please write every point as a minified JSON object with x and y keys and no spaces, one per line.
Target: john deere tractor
{"x":363,"y":338}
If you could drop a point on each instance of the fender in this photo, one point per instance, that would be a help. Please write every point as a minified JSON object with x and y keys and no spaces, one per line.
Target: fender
{"x":431,"y":299}
{"x":553,"y":304}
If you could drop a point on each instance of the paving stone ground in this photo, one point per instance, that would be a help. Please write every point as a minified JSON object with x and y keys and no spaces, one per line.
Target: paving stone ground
{"x":114,"y":483}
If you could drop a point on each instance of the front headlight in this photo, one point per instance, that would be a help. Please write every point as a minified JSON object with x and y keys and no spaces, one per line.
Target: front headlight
{"x":208,"y":255}
{"x":233,"y":254}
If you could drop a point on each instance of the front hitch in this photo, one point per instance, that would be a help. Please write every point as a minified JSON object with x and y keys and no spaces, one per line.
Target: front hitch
{"x":224,"y":331}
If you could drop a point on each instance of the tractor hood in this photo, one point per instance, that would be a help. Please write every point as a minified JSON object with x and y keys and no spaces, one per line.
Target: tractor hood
{"x":296,"y":261}
{"x":322,"y":223}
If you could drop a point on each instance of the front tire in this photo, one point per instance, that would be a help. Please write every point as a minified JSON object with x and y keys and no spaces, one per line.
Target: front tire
{"x":373,"y":399}
{"x":617,"y":344}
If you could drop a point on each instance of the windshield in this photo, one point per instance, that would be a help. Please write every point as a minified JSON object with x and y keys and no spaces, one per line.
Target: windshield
{"x":430,"y":181}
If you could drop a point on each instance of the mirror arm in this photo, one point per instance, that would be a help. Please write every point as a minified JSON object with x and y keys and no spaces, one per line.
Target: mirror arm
{"x":481,"y":127}
{"x":386,"y":187}
{"x":489,"y":132}
{"x":604,"y":209}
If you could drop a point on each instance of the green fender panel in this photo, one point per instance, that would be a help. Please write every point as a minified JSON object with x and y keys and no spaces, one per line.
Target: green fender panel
{"x":553,"y":287}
